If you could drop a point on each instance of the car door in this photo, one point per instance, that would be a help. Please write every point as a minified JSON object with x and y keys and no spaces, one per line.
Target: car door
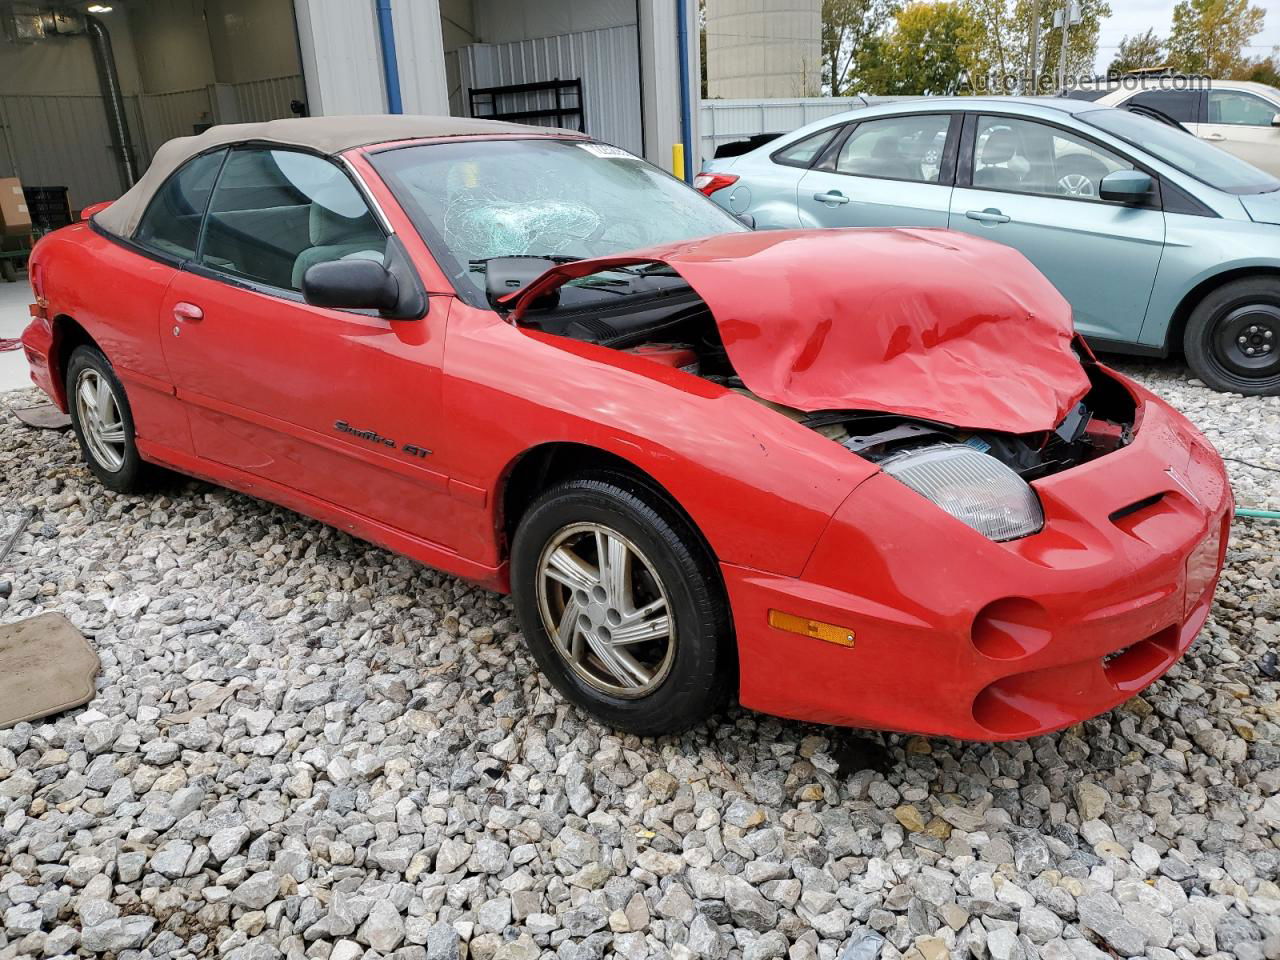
{"x":133,"y":281}
{"x":1034,"y":186}
{"x":1242,"y":123}
{"x":885,"y":172}
{"x":342,"y":406}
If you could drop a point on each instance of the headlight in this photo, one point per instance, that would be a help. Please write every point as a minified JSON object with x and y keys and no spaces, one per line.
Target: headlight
{"x":973,"y":487}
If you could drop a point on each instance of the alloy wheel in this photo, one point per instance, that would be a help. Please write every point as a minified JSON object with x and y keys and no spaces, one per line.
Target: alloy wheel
{"x":101,"y":422}
{"x":606,"y":610}
{"x":1077,"y":185}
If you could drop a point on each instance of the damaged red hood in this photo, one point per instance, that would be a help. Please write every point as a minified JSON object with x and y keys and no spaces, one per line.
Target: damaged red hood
{"x":925,"y":323}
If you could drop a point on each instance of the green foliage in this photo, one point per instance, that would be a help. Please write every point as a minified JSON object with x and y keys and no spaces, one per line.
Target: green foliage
{"x":1007,"y":30}
{"x":1209,"y":36}
{"x":1138,"y":53}
{"x":929,"y":49}
{"x":852,"y":36}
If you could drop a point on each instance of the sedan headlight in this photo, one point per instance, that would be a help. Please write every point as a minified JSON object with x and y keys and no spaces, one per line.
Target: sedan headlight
{"x":973,"y":487}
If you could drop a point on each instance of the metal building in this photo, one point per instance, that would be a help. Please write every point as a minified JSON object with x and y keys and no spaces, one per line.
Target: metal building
{"x":172,"y":67}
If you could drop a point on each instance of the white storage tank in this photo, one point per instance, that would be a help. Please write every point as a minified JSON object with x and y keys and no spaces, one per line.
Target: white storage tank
{"x":764,"y":48}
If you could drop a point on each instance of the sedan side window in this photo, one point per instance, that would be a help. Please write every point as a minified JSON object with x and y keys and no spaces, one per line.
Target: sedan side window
{"x":1240,"y":109}
{"x":1022,"y":156}
{"x":171,"y":224}
{"x":275,"y":213}
{"x":896,"y":148}
{"x":803,"y":152}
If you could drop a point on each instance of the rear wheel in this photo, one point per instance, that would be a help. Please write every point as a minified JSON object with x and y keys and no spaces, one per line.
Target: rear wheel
{"x":103,"y":422}
{"x":1232,"y":340}
{"x":621,"y":605}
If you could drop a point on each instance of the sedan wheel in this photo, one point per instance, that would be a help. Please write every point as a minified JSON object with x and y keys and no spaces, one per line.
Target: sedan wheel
{"x":606,"y":610}
{"x":621,"y":604}
{"x":1076,"y":185}
{"x":1232,"y":340}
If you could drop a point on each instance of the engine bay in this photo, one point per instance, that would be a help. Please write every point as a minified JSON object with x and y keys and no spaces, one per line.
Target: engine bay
{"x":674,"y":327}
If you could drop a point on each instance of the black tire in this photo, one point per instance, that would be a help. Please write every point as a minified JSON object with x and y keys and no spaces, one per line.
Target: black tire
{"x":1232,"y":339}
{"x":700,"y":669}
{"x":132,"y":474}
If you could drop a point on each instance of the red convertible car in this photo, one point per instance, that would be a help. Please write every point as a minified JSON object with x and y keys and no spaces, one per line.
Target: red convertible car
{"x":859,"y":477}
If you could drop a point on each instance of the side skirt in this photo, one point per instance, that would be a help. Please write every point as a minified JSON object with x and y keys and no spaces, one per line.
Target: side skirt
{"x":423,"y":551}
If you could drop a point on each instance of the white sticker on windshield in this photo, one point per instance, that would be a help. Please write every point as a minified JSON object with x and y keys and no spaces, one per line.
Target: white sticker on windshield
{"x":607,"y":150}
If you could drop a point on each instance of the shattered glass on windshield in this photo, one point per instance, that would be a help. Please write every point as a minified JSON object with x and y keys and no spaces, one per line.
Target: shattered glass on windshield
{"x":545,"y":198}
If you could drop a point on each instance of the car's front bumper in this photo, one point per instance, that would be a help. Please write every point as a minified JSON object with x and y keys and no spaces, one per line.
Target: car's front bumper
{"x":957,"y":635}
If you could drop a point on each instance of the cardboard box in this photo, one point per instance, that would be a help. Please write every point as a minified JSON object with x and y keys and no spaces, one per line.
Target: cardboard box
{"x":15,"y":220}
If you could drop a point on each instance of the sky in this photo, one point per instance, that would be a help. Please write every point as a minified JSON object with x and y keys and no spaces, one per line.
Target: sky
{"x":1129,"y":17}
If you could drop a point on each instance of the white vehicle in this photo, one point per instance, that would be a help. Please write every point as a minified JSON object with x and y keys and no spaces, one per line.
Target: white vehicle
{"x":1242,"y":118}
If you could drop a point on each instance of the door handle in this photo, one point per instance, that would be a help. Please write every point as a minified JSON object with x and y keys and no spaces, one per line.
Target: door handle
{"x":187,"y":312}
{"x":832,"y":196}
{"x":1214,"y":136}
{"x":989,"y":215}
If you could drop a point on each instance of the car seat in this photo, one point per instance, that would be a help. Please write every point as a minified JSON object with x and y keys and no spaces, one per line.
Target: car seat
{"x":335,"y":237}
{"x":995,"y":170}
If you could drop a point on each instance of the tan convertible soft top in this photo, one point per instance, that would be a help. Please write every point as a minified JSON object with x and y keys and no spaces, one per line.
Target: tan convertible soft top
{"x":329,"y":135}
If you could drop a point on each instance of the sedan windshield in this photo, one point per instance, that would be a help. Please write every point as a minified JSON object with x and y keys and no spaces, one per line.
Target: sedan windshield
{"x":1177,"y":148}
{"x":560,"y":199}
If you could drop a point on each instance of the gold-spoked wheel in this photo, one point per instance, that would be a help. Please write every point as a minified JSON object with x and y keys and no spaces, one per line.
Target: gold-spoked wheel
{"x":606,"y":610}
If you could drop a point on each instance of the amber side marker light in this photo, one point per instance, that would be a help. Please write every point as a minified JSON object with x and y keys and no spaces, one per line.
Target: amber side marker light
{"x":811,"y":628}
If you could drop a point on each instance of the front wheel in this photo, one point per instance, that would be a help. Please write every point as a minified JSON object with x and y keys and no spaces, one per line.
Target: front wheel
{"x":1232,"y":340}
{"x":621,"y":605}
{"x":103,"y":422}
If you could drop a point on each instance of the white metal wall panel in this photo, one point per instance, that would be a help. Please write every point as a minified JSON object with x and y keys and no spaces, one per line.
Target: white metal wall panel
{"x":420,"y":57}
{"x":607,"y":62}
{"x":341,"y":56}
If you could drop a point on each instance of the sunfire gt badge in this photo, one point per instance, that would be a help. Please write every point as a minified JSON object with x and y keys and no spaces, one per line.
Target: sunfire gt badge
{"x":374,"y":437}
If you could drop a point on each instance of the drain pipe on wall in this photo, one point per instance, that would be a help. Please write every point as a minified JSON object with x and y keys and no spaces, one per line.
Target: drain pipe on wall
{"x":113,"y":100}
{"x":686,"y":109}
{"x":390,"y":66}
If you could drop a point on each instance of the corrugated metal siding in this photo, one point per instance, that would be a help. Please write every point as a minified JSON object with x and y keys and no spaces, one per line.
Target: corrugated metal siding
{"x":65,"y":141}
{"x":607,"y":62}
{"x":169,"y":115}
{"x":724,"y":121}
{"x":268,"y":99}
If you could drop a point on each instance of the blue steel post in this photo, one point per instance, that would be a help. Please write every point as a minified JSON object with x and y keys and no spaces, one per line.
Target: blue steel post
{"x":390,"y":67}
{"x":686,"y":109}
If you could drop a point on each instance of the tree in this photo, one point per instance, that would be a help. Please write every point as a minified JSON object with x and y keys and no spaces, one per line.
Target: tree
{"x":851,"y":40}
{"x":1138,"y":53}
{"x":929,"y":49}
{"x":1262,"y":70}
{"x":1209,"y":36}
{"x":1007,"y":30}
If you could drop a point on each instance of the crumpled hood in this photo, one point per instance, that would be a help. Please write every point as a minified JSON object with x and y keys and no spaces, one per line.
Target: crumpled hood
{"x":1262,"y":207}
{"x":927,"y":323}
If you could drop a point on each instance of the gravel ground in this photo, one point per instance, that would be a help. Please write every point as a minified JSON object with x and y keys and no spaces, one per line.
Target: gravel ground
{"x":306,"y":746}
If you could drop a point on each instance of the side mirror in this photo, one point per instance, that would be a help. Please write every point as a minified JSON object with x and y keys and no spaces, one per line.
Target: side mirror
{"x":747,"y":218}
{"x":1127,"y":186}
{"x":1275,"y":120}
{"x":351,"y":285}
{"x":504,"y":276}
